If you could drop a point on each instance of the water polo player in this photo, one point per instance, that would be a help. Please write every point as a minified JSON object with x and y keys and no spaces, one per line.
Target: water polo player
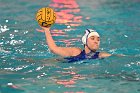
{"x":91,"y":41}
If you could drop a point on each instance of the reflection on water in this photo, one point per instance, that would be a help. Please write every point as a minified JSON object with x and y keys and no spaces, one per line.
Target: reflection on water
{"x":69,"y":42}
{"x":66,"y":10}
{"x":58,"y":33}
{"x":69,"y":82}
{"x":67,"y":14}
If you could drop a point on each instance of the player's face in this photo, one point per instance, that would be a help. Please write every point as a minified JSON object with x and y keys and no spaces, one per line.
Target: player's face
{"x":93,"y":42}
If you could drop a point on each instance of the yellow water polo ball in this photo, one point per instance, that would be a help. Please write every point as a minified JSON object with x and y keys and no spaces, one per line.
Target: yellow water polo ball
{"x":46,"y":17}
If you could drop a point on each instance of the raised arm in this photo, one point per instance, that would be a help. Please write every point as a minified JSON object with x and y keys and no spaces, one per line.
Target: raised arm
{"x":62,"y":51}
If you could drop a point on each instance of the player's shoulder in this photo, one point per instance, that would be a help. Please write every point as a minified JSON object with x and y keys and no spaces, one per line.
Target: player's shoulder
{"x":76,"y":51}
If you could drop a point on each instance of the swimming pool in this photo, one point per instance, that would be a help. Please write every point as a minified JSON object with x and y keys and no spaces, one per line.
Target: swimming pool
{"x":27,"y":66}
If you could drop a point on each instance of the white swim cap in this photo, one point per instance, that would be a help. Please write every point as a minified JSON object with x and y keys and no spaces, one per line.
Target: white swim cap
{"x":89,"y":33}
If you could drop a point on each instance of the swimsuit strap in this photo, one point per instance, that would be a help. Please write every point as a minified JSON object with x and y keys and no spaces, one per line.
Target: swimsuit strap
{"x":79,"y":57}
{"x":96,"y":55}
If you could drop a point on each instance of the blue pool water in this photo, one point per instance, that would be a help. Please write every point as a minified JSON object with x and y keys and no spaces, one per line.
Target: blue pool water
{"x":27,"y":65}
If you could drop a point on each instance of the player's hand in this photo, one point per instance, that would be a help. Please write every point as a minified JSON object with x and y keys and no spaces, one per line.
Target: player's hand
{"x":43,"y":29}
